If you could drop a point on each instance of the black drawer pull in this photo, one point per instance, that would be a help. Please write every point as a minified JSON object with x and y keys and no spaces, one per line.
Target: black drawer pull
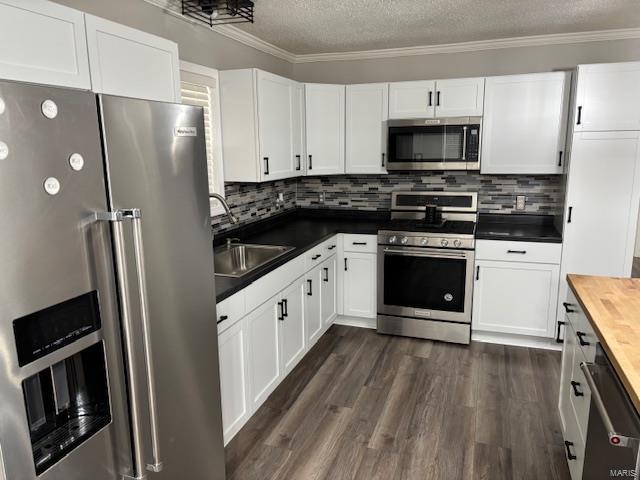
{"x":298,"y":163}
{"x":575,"y":386}
{"x":310,"y":291}
{"x":280,"y":311}
{"x":359,"y":243}
{"x":521,"y":252}
{"x":579,"y":115}
{"x":560,"y":159}
{"x":567,"y":446}
{"x":266,"y":165}
{"x":558,"y":339}
{"x":223,"y":317}
{"x":310,"y":162}
{"x":315,"y":257}
{"x":285,"y":307}
{"x":584,"y":343}
{"x":326,"y":274}
{"x":383,"y":159}
{"x":567,"y":307}
{"x":345,"y":265}
{"x":331,"y":247}
{"x":570,"y":212}
{"x":478,"y":272}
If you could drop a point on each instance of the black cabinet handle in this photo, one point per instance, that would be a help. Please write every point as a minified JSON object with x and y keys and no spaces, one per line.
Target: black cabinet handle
{"x":567,"y":307}
{"x":579,"y":115}
{"x":575,"y":386}
{"x":315,"y":257}
{"x":280,"y":311}
{"x":567,"y":446}
{"x":438,"y":98}
{"x":430,"y":99}
{"x":560,"y":159}
{"x":298,"y":164}
{"x":266,"y":165}
{"x":359,"y":243}
{"x":331,"y":247}
{"x":570,"y":212}
{"x":285,"y":307}
{"x":223,"y":317}
{"x":310,"y":291}
{"x":326,"y":274}
{"x":583,"y":342}
{"x":383,"y":159}
{"x":521,"y":252}
{"x":558,"y":339}
{"x":310,"y":162}
{"x":478,"y":272}
{"x":345,"y":265}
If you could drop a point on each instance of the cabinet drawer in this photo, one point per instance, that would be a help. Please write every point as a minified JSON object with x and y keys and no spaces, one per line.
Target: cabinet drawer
{"x":580,"y":394}
{"x":532,"y":252}
{"x":360,"y":243}
{"x":585,"y":337}
{"x":574,"y":447}
{"x":230,"y":310}
{"x":330,"y":247}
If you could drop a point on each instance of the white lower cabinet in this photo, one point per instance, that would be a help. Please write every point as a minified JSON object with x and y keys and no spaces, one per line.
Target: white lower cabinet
{"x":232,"y":352}
{"x":292,"y":325}
{"x":329,"y":291}
{"x":359,"y":284}
{"x":313,"y":304}
{"x":264,"y":351}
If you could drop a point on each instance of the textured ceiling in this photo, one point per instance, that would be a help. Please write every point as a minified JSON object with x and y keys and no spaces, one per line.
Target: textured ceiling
{"x":322,"y":26}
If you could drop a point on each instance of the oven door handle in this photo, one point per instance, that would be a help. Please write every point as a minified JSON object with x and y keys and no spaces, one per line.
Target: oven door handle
{"x":428,"y":253}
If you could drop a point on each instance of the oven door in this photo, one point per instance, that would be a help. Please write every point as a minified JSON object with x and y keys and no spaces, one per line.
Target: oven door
{"x":427,"y":283}
{"x":434,"y":147}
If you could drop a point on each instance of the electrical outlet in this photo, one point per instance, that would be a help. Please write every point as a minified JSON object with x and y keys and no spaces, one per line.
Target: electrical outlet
{"x":520,"y":201}
{"x":321,"y":198}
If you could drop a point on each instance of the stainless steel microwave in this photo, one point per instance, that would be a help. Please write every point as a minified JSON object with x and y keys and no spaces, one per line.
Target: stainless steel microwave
{"x":434,"y":144}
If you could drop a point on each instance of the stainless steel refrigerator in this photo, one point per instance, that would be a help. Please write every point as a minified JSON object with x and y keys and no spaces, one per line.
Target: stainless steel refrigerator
{"x":108,"y":342}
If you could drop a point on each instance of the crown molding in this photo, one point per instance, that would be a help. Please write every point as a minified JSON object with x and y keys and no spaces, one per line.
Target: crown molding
{"x":530,"y":41}
{"x":250,"y":40}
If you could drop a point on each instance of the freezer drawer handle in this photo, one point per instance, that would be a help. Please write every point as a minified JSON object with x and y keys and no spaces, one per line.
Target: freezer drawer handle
{"x":615,"y":439}
{"x":117,"y":218}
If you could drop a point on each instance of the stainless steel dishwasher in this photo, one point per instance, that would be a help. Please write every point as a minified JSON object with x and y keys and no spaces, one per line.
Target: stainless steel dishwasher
{"x":612,"y":444}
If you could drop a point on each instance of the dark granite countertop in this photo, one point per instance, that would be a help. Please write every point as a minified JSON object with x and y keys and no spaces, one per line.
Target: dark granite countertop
{"x":518,"y":227}
{"x":302,"y":229}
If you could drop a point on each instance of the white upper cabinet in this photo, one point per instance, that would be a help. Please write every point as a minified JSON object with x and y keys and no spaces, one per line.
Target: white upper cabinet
{"x":43,"y":42}
{"x":436,"y":98}
{"x":275,"y":125}
{"x":459,"y":97}
{"x":412,"y":99}
{"x":262,"y":126}
{"x":366,"y":133}
{"x":524,"y":125}
{"x":325,"y":128}
{"x":131,"y":63}
{"x":608,"y":97}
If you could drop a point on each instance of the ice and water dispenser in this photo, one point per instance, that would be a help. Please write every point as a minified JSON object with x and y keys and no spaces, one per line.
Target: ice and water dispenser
{"x":68,"y":401}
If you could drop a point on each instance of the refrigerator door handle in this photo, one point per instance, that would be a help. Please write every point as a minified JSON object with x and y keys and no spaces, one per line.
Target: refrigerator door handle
{"x":117,"y":219}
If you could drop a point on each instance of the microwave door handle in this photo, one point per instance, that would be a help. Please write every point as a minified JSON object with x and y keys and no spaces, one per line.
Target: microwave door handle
{"x":615,"y":439}
{"x":464,"y":142}
{"x":156,"y":466}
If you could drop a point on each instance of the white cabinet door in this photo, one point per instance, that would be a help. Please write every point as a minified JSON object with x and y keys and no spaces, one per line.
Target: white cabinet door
{"x":275,"y":126}
{"x":313,"y":305}
{"x":234,"y":379}
{"x":131,"y":63}
{"x":412,"y":99}
{"x":291,"y":316}
{"x":325,"y":128}
{"x":459,"y":97}
{"x":329,"y":291}
{"x":608,"y":97}
{"x":298,"y":133}
{"x":264,"y":351}
{"x":515,"y":297}
{"x":43,"y":42}
{"x":360,"y":284}
{"x":366,"y":135}
{"x":524,"y":125}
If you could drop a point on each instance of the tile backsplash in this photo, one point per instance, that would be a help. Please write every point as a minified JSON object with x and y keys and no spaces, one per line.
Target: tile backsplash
{"x":496,"y":193}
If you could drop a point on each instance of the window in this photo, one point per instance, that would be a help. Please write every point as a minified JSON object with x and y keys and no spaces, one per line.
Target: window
{"x":199,"y":87}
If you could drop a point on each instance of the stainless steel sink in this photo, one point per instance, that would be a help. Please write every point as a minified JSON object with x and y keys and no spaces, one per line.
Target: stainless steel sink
{"x":238,"y":259}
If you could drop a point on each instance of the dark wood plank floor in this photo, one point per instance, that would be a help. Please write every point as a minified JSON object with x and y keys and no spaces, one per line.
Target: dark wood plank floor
{"x":365,"y":406}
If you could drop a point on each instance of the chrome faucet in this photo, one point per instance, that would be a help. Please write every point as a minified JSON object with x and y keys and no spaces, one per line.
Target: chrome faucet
{"x":220,"y":198}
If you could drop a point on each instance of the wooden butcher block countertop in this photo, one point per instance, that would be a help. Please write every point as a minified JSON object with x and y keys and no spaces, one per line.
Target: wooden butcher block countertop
{"x":612,"y":305}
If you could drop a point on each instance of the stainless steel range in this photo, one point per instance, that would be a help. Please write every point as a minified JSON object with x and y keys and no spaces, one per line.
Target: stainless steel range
{"x":425,"y":266}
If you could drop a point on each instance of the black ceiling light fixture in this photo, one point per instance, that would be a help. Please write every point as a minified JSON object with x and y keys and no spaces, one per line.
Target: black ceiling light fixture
{"x":218,"y":12}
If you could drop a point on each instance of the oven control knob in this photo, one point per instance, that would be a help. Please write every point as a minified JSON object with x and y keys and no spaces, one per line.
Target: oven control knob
{"x":424,"y":241}
{"x":444,"y":242}
{"x":457,"y":243}
{"x":393,"y":239}
{"x":404,"y":240}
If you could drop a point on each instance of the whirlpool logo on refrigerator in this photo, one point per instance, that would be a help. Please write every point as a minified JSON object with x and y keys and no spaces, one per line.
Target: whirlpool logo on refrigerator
{"x":185,"y":131}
